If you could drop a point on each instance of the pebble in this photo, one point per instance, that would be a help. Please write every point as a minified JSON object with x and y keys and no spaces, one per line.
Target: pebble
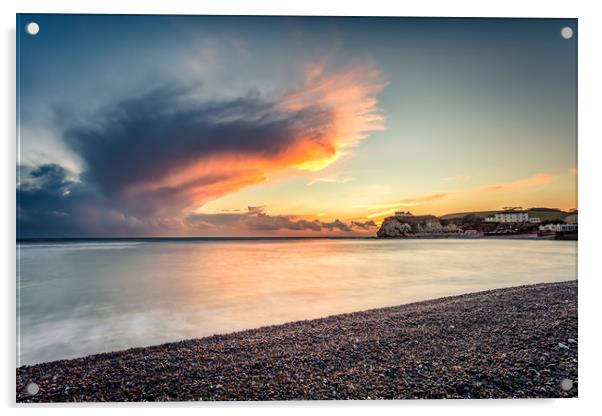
{"x":405,"y":352}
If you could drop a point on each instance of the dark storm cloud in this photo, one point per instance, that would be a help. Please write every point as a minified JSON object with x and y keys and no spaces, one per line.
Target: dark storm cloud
{"x":141,"y":140}
{"x":49,"y":204}
{"x":43,"y":194}
{"x":149,"y":159}
{"x":50,"y":176}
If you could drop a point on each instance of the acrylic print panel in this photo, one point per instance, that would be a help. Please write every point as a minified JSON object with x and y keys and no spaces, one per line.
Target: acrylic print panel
{"x":286,"y":208}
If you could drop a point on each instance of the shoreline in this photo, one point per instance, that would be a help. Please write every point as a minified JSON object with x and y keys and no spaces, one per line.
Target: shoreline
{"x":40,"y":241}
{"x":513,"y":342}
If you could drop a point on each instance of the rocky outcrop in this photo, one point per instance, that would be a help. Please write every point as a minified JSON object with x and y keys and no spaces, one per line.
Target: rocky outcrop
{"x":393,"y":228}
{"x":432,"y":226}
{"x":407,"y":226}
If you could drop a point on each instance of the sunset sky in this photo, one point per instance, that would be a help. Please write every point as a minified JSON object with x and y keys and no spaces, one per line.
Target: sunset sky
{"x":261,"y":126}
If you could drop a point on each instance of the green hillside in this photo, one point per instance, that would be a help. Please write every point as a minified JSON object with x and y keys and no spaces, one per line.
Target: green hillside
{"x":545,"y":214}
{"x":480,"y":214}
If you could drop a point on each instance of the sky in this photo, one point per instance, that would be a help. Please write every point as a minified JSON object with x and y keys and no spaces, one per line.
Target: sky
{"x":287,"y":126}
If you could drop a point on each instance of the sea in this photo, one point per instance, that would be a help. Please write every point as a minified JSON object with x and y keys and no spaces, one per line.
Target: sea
{"x":81,"y":297}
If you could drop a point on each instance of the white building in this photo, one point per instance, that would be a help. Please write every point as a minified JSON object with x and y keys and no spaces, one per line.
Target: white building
{"x":558,"y":228}
{"x":509,"y":216}
{"x":567,"y":227}
{"x":403,"y":214}
{"x":549,"y":227}
{"x":571,"y":219}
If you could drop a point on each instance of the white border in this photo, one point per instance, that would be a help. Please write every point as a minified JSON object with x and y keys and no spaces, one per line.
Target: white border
{"x":590,"y":288}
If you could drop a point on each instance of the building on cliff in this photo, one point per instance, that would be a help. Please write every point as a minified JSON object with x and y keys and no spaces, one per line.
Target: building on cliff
{"x":403,"y":214}
{"x":509,"y":216}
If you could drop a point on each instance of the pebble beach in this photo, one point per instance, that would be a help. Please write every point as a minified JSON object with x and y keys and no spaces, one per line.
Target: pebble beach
{"x":518,"y":342}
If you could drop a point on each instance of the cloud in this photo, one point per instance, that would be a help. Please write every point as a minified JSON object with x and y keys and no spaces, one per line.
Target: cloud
{"x":257,"y":220}
{"x":154,"y":156}
{"x":314,"y":225}
{"x":49,"y":176}
{"x":206,"y":59}
{"x":50,"y":204}
{"x":535,"y":180}
{"x":265,"y":222}
{"x":336,"y":224}
{"x":330,"y":179}
{"x":424,"y":198}
{"x":256,"y":210}
{"x":350,"y":94}
{"x":391,"y":208}
{"x":408,"y":201}
{"x":161,"y":143}
{"x":382,"y":213}
{"x":364,"y":225}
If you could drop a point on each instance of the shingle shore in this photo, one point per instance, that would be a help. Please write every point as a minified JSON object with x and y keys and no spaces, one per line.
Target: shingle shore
{"x":515,"y":342}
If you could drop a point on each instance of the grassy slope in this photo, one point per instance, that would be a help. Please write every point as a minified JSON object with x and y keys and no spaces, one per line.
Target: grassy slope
{"x":544,"y":215}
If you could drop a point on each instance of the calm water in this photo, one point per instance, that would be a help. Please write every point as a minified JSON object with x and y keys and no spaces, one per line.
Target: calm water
{"x":87,"y":297}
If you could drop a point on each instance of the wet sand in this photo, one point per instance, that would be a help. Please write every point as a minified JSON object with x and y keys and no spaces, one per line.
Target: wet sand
{"x":516,"y":342}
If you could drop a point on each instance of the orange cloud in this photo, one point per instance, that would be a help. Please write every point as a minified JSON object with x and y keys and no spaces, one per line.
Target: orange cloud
{"x":408,"y":201}
{"x":350,"y":97}
{"x":307,"y":128}
{"x":394,"y":206}
{"x":330,"y":179}
{"x":538,"y":179}
{"x":381,"y":214}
